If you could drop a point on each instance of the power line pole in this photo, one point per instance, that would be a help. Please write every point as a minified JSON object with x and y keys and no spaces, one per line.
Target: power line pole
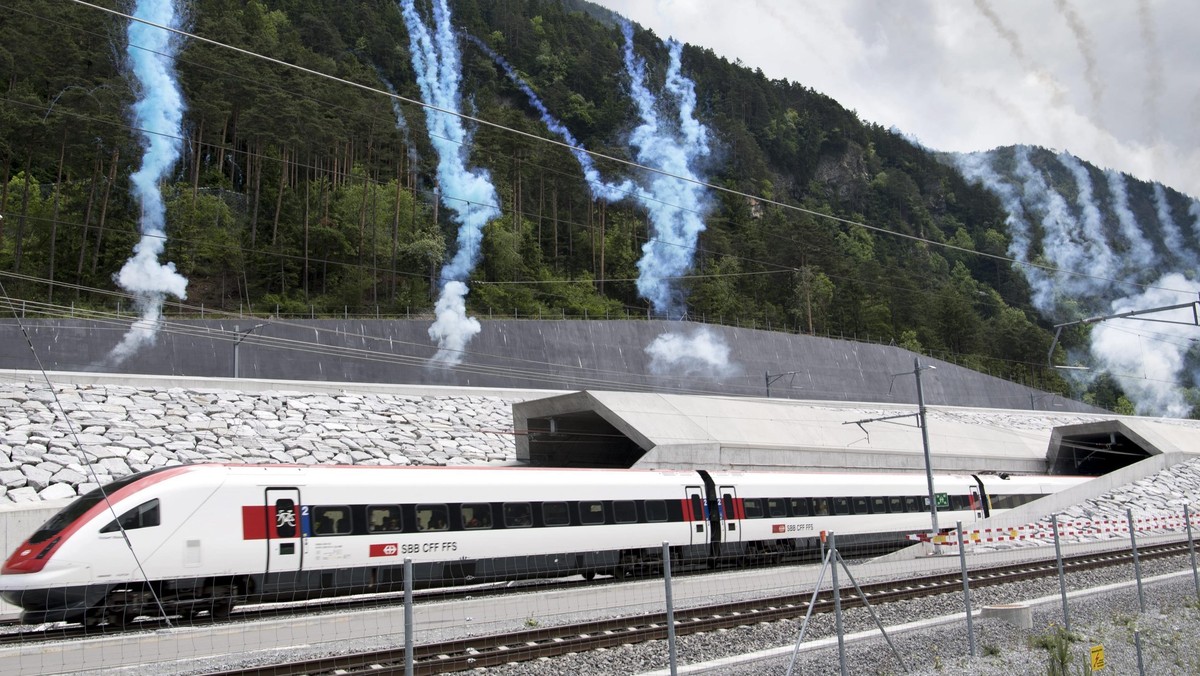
{"x":925,"y":443}
{"x":920,"y":416}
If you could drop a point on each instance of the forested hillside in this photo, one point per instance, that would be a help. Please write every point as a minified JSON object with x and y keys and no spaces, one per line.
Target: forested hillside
{"x":305,"y":196}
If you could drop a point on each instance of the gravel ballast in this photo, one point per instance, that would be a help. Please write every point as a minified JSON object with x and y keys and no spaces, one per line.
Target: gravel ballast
{"x":1169,"y":629}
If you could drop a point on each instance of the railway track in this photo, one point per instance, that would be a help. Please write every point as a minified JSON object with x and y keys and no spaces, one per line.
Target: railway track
{"x":485,"y":651}
{"x":12,"y":632}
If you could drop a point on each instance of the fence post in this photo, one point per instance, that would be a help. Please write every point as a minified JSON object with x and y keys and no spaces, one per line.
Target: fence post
{"x":408,"y":617}
{"x":666,"y":554}
{"x":1062,"y":579}
{"x":1137,"y":566}
{"x":1187,"y":519}
{"x":837,"y":605}
{"x":1137,"y":643}
{"x":962,"y":564}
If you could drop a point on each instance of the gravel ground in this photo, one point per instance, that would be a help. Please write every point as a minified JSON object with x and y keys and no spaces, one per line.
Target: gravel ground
{"x":1170,"y":636}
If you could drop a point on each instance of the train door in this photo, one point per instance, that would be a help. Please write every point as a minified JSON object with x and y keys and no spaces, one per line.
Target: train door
{"x":976,"y":503}
{"x":285,"y":529}
{"x":697,"y":515}
{"x":731,"y":525}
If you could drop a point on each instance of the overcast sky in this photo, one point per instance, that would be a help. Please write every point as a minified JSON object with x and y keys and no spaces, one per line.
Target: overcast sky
{"x":1115,"y":82}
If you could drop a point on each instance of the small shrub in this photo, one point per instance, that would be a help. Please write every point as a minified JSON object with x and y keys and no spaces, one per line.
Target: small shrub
{"x":1058,"y":643}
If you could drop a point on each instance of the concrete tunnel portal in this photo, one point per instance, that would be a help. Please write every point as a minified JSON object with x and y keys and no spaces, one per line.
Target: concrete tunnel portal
{"x":624,"y":430}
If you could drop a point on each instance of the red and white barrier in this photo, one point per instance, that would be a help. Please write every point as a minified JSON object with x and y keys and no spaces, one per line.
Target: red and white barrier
{"x":1097,"y":528}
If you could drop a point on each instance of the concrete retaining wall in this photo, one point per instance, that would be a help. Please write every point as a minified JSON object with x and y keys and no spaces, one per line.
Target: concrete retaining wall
{"x":565,"y":355}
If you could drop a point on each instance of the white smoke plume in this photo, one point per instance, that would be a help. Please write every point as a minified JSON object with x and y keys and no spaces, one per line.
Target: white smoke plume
{"x":1172,"y":236}
{"x":701,"y":353}
{"x":1099,"y":275}
{"x":1148,"y":359}
{"x":1194,"y":212}
{"x":1103,"y":262}
{"x":1140,"y":254}
{"x":1058,"y":97}
{"x":1083,"y":39}
{"x":470,"y":196}
{"x":452,"y":328}
{"x":158,"y":117}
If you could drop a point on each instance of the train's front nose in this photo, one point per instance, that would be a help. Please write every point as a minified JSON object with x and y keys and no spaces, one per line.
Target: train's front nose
{"x":46,"y":589}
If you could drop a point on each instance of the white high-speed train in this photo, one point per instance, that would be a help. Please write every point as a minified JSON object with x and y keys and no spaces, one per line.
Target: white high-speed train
{"x":209,"y":536}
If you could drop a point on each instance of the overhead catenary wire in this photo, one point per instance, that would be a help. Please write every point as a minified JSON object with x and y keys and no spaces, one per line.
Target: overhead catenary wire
{"x":73,"y":430}
{"x":603,"y":156}
{"x":520,"y":367}
{"x":779,"y":268}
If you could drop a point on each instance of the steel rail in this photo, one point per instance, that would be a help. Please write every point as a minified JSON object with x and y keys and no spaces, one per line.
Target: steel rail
{"x":492,"y":650}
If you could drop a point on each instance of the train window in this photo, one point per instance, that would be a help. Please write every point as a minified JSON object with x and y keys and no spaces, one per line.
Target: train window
{"x":841,"y":506}
{"x":776,"y":507}
{"x":383,"y":519}
{"x":879,"y":506}
{"x":517,"y":515}
{"x":958,"y":503}
{"x":895,"y":504}
{"x":555,"y":514}
{"x":912,"y":503}
{"x":858,"y":505}
{"x":331,"y":520}
{"x":144,"y":515}
{"x":433,"y":517}
{"x":624,"y":511}
{"x":753,"y":508}
{"x":591,"y":512}
{"x":800,"y":507}
{"x":78,"y":508}
{"x":476,"y":515}
{"x":656,"y":510}
{"x":821,"y":506}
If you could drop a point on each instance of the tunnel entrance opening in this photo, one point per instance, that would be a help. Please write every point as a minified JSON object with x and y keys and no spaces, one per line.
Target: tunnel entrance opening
{"x":1095,"y":453}
{"x":580,"y":439}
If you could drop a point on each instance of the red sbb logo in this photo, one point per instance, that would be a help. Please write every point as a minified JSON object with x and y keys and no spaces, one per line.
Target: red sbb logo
{"x":391,"y":549}
{"x":778,"y":528}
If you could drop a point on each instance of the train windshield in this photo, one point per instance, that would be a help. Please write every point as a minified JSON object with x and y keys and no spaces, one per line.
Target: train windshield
{"x":78,"y":508}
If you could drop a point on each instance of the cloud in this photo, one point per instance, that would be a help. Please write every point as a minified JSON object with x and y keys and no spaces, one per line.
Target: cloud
{"x":921,"y":66}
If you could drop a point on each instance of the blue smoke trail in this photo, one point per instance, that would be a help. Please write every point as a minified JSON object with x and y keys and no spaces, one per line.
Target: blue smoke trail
{"x":673,"y":239}
{"x":401,"y":122}
{"x":471,"y":197}
{"x":609,"y":192}
{"x":158,"y":115}
{"x":674,"y":151}
{"x":673,"y":229}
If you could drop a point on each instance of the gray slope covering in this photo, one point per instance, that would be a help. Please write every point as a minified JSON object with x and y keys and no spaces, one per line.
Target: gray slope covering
{"x":543,"y":354}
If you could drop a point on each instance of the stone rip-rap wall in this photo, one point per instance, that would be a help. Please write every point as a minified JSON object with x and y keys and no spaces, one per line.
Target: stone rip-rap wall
{"x":123,"y":429}
{"x":1156,"y":503}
